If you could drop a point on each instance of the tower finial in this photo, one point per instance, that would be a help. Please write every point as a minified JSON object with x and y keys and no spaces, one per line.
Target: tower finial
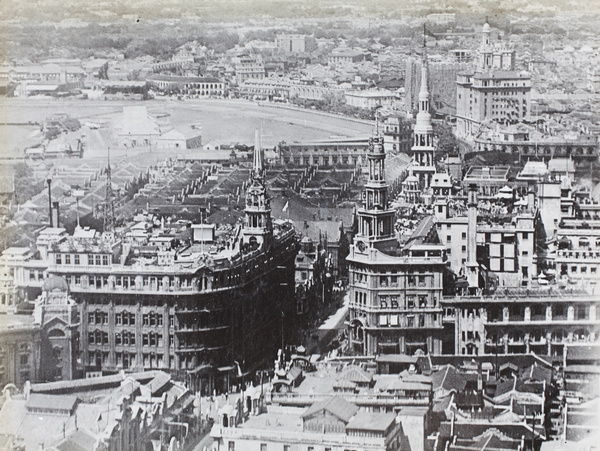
{"x":258,"y":166}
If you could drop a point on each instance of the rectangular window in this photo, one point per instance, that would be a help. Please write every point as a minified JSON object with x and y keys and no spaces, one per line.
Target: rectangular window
{"x":98,"y":260}
{"x":76,"y":259}
{"x":67,"y":259}
{"x":105,"y":260}
{"x":231,"y":446}
{"x":77,"y":280}
{"x":58,"y":259}
{"x":90,"y":259}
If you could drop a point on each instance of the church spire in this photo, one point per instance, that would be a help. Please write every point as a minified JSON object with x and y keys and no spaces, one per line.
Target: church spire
{"x":109,"y":206}
{"x":258,"y":162}
{"x":423,"y":148}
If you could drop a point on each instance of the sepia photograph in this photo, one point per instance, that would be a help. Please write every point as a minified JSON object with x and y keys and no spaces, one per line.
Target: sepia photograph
{"x":299,"y":225}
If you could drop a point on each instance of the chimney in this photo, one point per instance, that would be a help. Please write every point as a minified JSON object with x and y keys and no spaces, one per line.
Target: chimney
{"x":472,"y":266}
{"x":530,"y":197}
{"x":49,"y":180}
{"x":56,"y":213}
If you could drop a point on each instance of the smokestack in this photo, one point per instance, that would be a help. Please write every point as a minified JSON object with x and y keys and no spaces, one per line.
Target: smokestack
{"x":56,"y":213}
{"x":50,"y":201}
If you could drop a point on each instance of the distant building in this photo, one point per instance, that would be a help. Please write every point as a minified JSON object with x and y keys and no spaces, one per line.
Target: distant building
{"x":494,"y":92}
{"x":326,"y":152}
{"x":370,"y":99}
{"x":248,"y":68}
{"x":397,"y":132}
{"x":345,"y":56}
{"x":200,"y":86}
{"x":180,"y":138}
{"x":295,"y":43}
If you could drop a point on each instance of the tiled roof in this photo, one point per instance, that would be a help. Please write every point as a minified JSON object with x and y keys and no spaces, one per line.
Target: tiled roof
{"x":371,"y":421}
{"x":335,"y":405}
{"x":52,"y":402}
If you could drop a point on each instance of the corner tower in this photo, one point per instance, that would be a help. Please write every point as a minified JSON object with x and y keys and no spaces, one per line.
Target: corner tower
{"x":375,"y":218}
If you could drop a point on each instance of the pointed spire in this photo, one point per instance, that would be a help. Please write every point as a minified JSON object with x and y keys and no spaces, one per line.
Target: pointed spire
{"x":109,"y":206}
{"x":258,"y":165}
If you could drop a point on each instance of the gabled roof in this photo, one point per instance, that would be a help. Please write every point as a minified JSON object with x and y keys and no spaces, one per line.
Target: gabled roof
{"x":356,"y":374}
{"x":335,"y":405}
{"x":448,"y":378}
{"x":80,"y":440}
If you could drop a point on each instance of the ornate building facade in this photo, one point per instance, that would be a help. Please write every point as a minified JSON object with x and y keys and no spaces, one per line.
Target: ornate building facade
{"x":395,"y":291}
{"x":186,"y":310}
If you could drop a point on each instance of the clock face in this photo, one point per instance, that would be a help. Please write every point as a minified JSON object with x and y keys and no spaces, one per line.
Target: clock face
{"x":361,"y":246}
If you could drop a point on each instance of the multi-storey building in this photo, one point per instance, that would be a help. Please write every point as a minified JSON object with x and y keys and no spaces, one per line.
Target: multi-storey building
{"x":397,"y":133}
{"x":578,"y":251}
{"x":247,"y":68}
{"x":19,"y":349}
{"x":395,"y":291}
{"x":517,"y":321}
{"x":326,"y":152}
{"x":500,"y":96}
{"x":494,"y":91}
{"x":201,"y":86}
{"x":295,"y":43}
{"x":186,"y":310}
{"x":504,"y":244}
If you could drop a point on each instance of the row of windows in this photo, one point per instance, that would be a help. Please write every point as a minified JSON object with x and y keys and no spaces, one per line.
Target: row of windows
{"x":127,"y":282}
{"x":75,"y":259}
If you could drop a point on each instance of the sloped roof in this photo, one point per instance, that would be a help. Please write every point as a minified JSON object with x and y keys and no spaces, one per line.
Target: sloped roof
{"x":356,"y":374}
{"x":372,"y":421}
{"x":52,"y":402}
{"x":79,"y":440}
{"x":335,"y":405}
{"x":448,"y":378}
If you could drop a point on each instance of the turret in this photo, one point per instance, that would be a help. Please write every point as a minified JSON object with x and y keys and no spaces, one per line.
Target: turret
{"x":258,"y":227}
